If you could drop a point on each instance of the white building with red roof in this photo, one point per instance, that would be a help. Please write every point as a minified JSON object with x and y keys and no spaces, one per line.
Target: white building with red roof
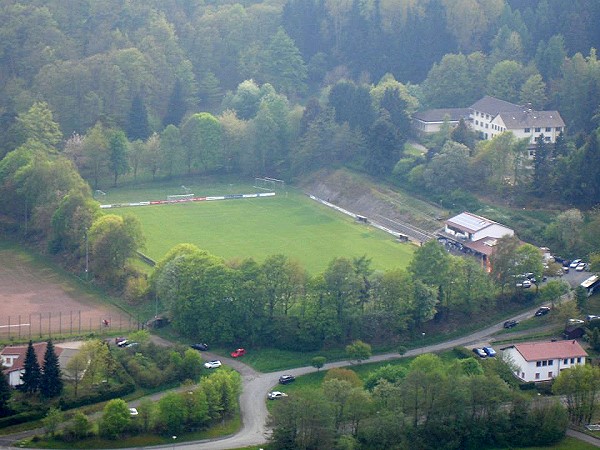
{"x":543,"y":361}
{"x":13,"y":360}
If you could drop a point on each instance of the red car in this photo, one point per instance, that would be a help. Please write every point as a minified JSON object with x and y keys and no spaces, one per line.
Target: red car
{"x":239,"y":352}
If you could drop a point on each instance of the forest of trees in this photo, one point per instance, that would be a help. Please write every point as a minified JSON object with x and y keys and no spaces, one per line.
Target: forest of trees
{"x":95,"y":92}
{"x":275,"y":87}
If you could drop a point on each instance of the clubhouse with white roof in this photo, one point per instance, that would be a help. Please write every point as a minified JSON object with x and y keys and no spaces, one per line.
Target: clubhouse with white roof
{"x":473,"y":234}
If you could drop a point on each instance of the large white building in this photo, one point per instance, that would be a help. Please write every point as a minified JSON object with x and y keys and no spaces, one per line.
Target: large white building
{"x":491,"y":116}
{"x":543,"y":361}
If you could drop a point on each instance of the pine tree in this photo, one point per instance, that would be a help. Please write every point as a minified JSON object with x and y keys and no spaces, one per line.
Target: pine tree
{"x":5,"y":392}
{"x":177,"y":107}
{"x":138,"y":128}
{"x":51,"y":383}
{"x":31,"y":377}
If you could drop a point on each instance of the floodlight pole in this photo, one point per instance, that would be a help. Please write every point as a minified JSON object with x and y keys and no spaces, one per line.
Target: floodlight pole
{"x":87,"y":256}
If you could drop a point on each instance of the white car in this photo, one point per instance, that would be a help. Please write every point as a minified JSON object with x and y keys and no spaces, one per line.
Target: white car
{"x":212,"y":364}
{"x":574,"y":263}
{"x":580,"y":267}
{"x":133,"y":412}
{"x":276,"y":395}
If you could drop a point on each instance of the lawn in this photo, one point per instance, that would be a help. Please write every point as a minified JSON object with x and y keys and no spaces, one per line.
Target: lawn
{"x":289,"y":223}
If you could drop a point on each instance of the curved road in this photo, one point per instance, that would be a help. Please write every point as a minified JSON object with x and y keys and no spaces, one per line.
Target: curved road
{"x":253,"y":408}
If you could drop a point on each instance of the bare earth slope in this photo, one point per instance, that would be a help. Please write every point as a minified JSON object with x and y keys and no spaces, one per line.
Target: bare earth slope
{"x":393,"y":209}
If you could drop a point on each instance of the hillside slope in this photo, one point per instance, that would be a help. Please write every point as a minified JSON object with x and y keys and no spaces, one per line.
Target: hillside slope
{"x":361,"y":195}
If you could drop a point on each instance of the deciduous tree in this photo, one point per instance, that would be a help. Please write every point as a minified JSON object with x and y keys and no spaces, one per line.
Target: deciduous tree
{"x":118,"y":148}
{"x":358,"y":351}
{"x":115,"y":419}
{"x":113,"y":240}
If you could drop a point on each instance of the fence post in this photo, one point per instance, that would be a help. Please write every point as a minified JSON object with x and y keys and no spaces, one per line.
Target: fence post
{"x":9,"y":328}
{"x":19,"y":326}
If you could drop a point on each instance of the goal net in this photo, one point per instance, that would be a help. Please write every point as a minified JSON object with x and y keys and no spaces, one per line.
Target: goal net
{"x":269,"y":184}
{"x":179,"y":197}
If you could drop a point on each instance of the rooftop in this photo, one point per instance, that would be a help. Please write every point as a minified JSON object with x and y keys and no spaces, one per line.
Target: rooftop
{"x":470,"y":222}
{"x":439,"y":115}
{"x":493,"y":106}
{"x":535,"y":351}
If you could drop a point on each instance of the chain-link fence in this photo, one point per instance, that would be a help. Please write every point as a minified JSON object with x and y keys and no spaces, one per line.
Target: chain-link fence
{"x":63,"y":323}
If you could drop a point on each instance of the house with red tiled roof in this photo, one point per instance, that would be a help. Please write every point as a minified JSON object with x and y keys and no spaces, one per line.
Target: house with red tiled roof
{"x":543,"y":361}
{"x":13,"y":360}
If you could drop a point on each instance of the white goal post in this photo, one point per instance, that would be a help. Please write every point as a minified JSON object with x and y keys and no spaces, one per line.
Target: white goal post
{"x":178,"y":197}
{"x":267,"y":184}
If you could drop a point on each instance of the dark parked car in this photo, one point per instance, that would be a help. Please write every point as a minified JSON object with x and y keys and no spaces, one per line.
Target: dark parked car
{"x":542,"y":311}
{"x":510,"y":323}
{"x":489,"y":351}
{"x":286,"y":379}
{"x":201,"y":346}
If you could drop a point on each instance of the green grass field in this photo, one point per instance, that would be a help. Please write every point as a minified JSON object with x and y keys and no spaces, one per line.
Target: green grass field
{"x":289,"y":223}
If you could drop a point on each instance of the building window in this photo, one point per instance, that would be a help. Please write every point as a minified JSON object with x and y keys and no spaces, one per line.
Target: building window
{"x":572,"y":360}
{"x":558,"y":129}
{"x":549,"y":374}
{"x":527,"y":130}
{"x":548,"y":129}
{"x":537,"y":130}
{"x":551,"y":362}
{"x":544,"y":363}
{"x":547,"y":138}
{"x":579,"y":359}
{"x":523,"y":375}
{"x":566,"y":361}
{"x":538,"y":364}
{"x":486,"y":125}
{"x":477,"y":122}
{"x":537,"y":376}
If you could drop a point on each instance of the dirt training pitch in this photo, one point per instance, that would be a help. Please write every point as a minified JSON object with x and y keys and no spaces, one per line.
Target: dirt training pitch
{"x":37,"y":302}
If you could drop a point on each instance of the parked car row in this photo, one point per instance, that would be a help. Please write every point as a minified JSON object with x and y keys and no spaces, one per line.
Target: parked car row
{"x":484,"y":352}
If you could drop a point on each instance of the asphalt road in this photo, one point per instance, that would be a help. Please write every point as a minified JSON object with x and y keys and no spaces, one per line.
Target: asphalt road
{"x":253,"y":408}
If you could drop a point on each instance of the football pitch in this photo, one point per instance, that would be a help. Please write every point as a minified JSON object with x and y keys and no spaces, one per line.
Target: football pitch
{"x":289,"y":223}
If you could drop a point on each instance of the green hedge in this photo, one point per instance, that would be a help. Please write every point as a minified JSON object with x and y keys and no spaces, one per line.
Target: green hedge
{"x":105,"y":394}
{"x":23,"y":417}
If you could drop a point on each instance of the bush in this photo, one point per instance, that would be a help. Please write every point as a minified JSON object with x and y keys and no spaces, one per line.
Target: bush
{"x":401,"y":350}
{"x":101,"y":396}
{"x":462,"y":352}
{"x":343,"y":374}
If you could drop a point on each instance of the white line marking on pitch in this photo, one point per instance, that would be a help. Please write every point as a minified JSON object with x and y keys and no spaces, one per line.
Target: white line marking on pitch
{"x":16,"y":325}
